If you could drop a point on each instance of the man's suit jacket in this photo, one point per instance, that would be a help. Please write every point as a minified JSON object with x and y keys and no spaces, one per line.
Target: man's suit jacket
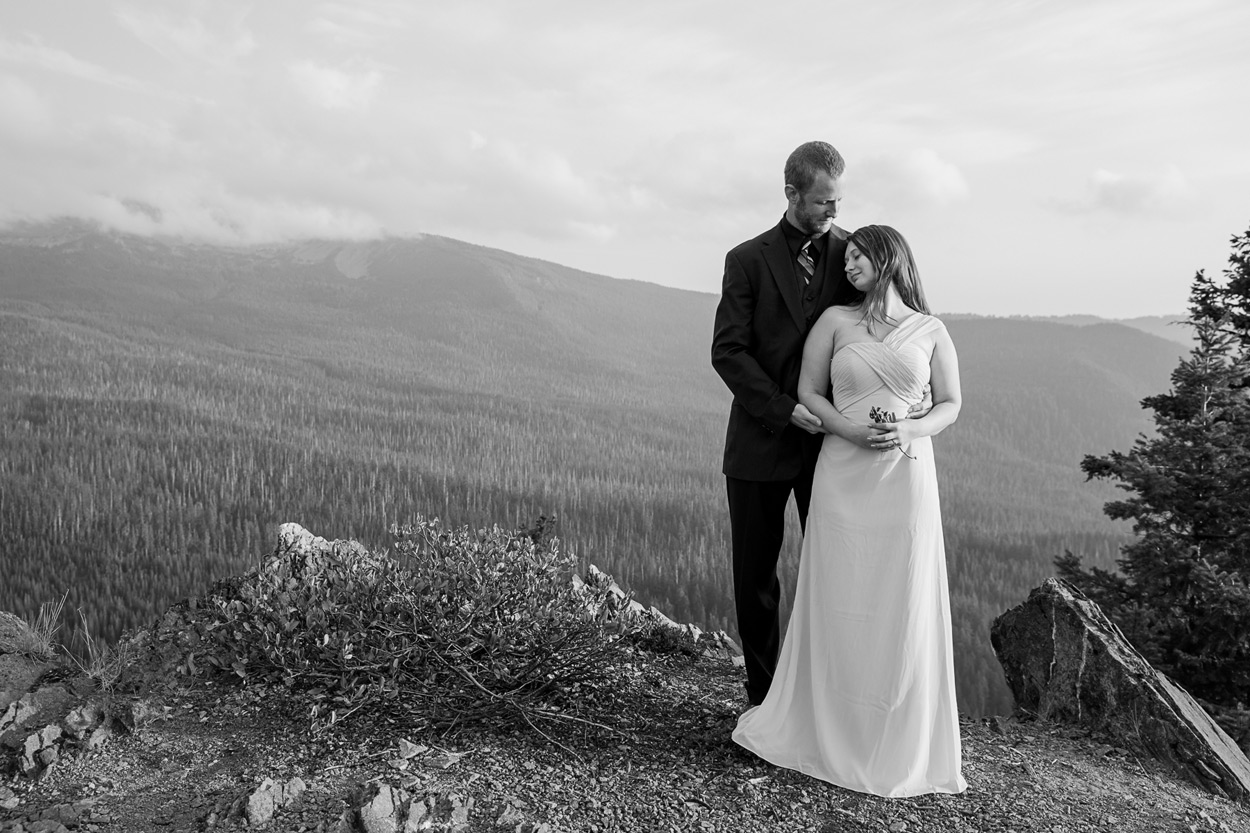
{"x":757,"y":349}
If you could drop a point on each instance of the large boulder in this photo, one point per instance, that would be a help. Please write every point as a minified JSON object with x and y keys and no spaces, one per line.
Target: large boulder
{"x":1066,"y":662}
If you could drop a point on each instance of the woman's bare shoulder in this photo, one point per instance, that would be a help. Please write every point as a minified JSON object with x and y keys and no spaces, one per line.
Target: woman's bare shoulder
{"x":842,"y":313}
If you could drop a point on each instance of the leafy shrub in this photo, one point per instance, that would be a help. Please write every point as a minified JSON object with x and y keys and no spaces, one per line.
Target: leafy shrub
{"x":460,"y":625}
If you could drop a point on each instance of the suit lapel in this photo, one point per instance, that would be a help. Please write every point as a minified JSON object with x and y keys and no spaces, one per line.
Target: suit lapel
{"x":777,"y":256}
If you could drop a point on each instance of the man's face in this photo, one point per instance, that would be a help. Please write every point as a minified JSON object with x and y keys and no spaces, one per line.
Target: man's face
{"x":813,"y":211}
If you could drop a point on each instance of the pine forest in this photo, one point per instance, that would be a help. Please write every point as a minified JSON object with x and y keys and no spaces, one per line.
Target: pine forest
{"x":162,"y":410}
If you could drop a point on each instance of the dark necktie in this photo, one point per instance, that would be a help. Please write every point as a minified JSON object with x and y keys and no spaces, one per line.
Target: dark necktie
{"x":807,"y":262}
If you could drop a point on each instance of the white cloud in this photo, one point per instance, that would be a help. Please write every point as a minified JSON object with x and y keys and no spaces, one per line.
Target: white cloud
{"x":334,"y":88}
{"x":595,"y":232}
{"x":187,"y":37}
{"x":200,"y":208}
{"x":24,"y":115}
{"x":917,"y":178}
{"x":640,"y":140}
{"x":358,"y":24}
{"x":1131,"y":194}
{"x":35,"y":53}
{"x":534,"y":188}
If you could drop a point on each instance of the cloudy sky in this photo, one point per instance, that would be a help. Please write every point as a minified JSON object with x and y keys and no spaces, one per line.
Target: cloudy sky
{"x":1042,"y":157}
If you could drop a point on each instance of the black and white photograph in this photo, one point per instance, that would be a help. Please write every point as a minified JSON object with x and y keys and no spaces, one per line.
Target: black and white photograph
{"x":573,"y":417}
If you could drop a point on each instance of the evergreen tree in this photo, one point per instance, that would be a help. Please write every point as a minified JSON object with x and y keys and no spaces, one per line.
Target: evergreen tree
{"x":1183,"y":592}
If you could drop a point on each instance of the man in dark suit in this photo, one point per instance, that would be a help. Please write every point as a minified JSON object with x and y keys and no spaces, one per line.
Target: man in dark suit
{"x":775,"y":287}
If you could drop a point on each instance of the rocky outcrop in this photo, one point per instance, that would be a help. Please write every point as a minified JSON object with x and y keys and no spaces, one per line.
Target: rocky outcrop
{"x":1066,"y":662}
{"x":713,"y":643}
{"x":47,"y":704}
{"x":36,"y":692}
{"x":20,"y":664}
{"x":293,"y":539}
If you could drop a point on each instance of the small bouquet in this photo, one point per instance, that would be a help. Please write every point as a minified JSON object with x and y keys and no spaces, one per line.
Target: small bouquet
{"x":879,"y":415}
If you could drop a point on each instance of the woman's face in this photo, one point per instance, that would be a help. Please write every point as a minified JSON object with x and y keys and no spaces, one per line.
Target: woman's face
{"x":859,"y":269}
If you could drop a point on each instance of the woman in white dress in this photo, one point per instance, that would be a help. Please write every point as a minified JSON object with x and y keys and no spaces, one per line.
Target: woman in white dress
{"x":864,"y":693}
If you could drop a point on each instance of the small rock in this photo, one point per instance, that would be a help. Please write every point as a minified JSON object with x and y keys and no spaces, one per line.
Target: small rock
{"x":270,"y":797}
{"x":379,"y":813}
{"x":8,"y":799}
{"x":444,"y":760}
{"x":45,"y":826}
{"x":67,"y":814}
{"x":17,"y":714}
{"x":460,"y":811}
{"x":511,"y":818}
{"x":898,"y":827}
{"x":410,"y":750}
{"x":417,"y":812}
{"x":39,"y":751}
{"x":144,"y":712}
{"x":81,"y":721}
{"x":262,"y":802}
{"x":99,"y":736}
{"x":344,"y":824}
{"x":293,"y":789}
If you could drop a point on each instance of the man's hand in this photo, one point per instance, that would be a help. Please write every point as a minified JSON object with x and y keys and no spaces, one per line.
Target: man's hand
{"x":806,"y":420}
{"x":921,"y":408}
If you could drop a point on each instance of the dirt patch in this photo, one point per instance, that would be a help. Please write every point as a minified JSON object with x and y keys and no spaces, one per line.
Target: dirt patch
{"x":659,"y":759}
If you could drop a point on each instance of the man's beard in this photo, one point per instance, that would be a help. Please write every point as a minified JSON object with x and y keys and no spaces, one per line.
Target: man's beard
{"x":811,"y":224}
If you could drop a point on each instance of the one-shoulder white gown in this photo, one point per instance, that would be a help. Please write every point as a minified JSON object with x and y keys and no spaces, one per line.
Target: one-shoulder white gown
{"x":864,"y":693}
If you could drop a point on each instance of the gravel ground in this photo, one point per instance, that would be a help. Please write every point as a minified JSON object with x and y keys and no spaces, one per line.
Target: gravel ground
{"x":660,"y":759}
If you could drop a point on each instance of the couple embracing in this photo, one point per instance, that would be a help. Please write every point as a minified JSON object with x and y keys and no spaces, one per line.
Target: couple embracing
{"x":839,"y":377}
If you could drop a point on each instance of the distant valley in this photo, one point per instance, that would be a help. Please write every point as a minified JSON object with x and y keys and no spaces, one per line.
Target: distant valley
{"x":164,"y":405}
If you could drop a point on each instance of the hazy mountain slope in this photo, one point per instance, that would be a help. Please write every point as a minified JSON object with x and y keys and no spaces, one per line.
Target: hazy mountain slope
{"x":479,"y":309}
{"x":164,"y":403}
{"x":1169,"y":327}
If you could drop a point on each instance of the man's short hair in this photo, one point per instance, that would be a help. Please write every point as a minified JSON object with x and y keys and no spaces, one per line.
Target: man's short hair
{"x":809,"y":159}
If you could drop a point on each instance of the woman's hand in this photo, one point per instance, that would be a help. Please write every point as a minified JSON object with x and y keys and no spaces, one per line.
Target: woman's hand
{"x":886,"y":436}
{"x":921,"y":409}
{"x":865,"y":436}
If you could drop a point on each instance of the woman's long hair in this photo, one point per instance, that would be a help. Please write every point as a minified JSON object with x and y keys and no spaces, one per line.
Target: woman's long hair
{"x":890,"y":255}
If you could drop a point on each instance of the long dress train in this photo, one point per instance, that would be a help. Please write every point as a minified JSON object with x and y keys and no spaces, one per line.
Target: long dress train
{"x":864,"y":693}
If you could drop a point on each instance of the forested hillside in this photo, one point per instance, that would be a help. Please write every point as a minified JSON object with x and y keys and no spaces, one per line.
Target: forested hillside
{"x":164,"y":406}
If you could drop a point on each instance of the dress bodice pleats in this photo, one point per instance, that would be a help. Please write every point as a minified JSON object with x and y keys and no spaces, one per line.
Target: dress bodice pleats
{"x":899,"y":362}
